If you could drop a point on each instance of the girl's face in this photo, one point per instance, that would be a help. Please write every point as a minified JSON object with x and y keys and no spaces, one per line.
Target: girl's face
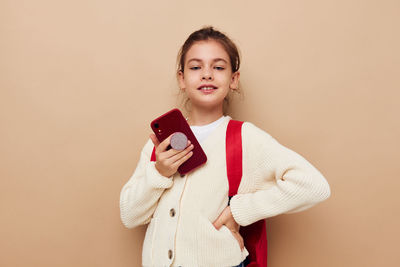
{"x":207,"y":76}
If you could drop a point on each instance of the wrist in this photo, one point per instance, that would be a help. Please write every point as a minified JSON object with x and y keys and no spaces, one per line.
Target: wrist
{"x":161,"y":172}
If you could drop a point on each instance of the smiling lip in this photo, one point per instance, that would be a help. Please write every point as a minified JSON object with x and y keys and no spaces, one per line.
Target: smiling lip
{"x":207,"y":85}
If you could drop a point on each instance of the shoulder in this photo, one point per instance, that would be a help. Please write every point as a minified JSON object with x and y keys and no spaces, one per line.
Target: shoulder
{"x":257,"y":140}
{"x":255,"y":133}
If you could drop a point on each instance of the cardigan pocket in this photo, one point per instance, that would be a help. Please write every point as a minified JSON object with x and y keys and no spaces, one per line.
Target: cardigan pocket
{"x":221,"y":243}
{"x":148,"y":243}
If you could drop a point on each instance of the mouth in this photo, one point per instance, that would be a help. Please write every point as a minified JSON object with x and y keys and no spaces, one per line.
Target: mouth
{"x":207,"y":88}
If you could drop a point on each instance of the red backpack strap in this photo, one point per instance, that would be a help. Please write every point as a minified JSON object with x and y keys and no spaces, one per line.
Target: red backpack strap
{"x":153,"y":154}
{"x":254,"y":235}
{"x":233,"y":150}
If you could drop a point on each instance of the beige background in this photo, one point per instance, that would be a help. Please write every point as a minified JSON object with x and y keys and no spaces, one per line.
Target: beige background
{"x":81,"y":80}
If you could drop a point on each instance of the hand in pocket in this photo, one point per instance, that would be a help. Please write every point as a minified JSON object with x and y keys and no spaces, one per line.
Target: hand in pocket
{"x":226,"y":218}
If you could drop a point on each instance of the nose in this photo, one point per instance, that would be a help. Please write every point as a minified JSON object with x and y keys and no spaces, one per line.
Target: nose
{"x":207,"y":74}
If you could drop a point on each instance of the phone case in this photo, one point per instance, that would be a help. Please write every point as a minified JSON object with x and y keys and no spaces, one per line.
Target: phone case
{"x":171,"y":122}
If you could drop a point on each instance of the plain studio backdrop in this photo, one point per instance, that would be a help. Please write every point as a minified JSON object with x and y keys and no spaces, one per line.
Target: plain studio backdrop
{"x":81,"y":80}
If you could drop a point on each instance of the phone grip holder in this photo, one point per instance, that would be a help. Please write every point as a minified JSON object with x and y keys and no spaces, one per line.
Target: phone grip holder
{"x":179,"y":141}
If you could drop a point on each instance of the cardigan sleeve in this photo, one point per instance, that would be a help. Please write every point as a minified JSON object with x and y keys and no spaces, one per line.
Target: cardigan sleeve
{"x":140,"y":195}
{"x":285,"y":181}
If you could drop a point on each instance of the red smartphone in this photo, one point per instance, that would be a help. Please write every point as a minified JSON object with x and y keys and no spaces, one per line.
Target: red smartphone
{"x":171,"y":122}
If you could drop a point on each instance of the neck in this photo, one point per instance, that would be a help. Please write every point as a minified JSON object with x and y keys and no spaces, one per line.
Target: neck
{"x":202,"y":116}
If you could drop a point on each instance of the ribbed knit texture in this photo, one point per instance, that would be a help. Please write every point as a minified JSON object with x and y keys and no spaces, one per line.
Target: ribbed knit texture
{"x":275,"y":180}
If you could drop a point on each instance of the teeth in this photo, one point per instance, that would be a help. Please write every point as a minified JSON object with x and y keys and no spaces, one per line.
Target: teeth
{"x":207,"y":88}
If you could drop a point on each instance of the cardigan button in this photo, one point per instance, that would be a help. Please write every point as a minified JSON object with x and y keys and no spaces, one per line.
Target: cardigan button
{"x":170,"y":254}
{"x":172,"y":212}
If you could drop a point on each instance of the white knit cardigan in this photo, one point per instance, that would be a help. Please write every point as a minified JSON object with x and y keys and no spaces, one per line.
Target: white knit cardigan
{"x":181,"y":210}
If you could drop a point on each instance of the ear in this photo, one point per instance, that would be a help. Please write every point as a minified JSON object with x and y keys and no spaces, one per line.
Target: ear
{"x":234,"y":85}
{"x":181,"y":80}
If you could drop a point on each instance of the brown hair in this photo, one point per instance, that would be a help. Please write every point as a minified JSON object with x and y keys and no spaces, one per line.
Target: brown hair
{"x":209,"y":33}
{"x":204,"y":34}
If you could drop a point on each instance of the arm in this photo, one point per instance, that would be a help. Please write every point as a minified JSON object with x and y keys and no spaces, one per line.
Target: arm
{"x":139,"y":196}
{"x":286,"y":181}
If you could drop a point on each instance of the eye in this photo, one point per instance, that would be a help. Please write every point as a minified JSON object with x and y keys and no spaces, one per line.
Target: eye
{"x":195,"y":68}
{"x":219,"y":68}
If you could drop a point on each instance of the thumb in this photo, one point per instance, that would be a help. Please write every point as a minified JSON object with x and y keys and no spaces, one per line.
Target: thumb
{"x":154,"y":140}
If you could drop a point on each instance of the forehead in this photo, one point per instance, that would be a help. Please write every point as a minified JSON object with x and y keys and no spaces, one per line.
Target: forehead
{"x":207,"y":51}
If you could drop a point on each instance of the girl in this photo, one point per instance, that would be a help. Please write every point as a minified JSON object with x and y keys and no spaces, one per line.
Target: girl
{"x":191,"y":223}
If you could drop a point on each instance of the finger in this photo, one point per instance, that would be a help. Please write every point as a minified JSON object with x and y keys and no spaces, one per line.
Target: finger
{"x":179,"y":162}
{"x":178,"y":155}
{"x":154,"y":140}
{"x":219,"y":222}
{"x":224,"y":216}
{"x":188,"y":143}
{"x":164,"y":144}
{"x":172,"y":152}
{"x":240,"y":240}
{"x":171,"y":156}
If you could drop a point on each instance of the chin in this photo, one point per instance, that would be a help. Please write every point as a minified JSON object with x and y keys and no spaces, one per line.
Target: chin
{"x":208,"y":104}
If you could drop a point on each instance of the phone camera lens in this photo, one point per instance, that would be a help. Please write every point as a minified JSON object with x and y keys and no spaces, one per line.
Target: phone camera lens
{"x":156,"y":125}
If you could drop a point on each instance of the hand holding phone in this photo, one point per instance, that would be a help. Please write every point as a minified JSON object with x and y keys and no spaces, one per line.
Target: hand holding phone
{"x":168,"y":161}
{"x":168,"y":124}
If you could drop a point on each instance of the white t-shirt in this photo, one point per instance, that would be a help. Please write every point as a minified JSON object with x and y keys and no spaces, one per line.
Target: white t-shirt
{"x":203,"y":131}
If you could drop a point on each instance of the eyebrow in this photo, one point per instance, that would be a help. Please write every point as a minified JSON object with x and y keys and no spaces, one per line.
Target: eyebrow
{"x":214,"y":60}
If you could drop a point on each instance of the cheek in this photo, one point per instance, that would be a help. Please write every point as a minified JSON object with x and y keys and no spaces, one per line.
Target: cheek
{"x":225,"y":79}
{"x":191,"y":80}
